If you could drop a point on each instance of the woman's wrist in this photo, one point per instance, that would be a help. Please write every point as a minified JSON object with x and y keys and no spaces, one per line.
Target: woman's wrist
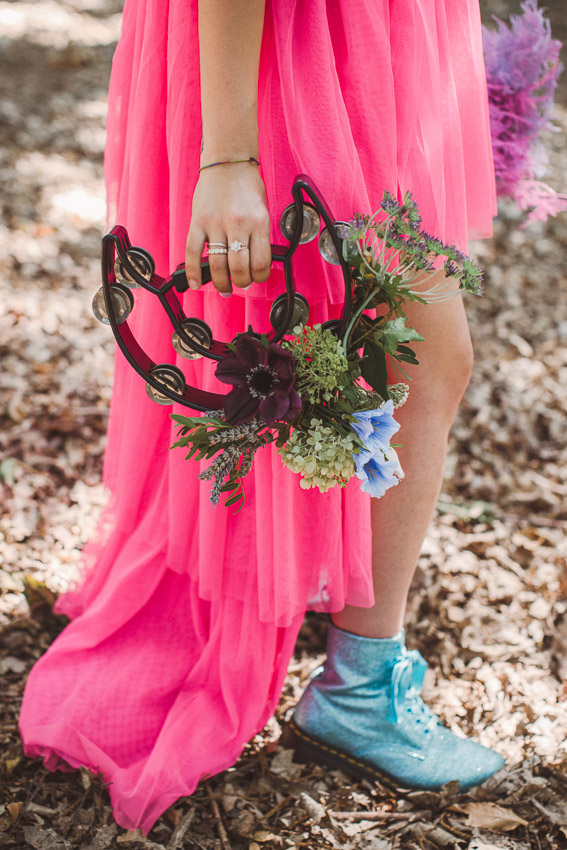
{"x":234,"y":161}
{"x":228,"y":153}
{"x":230,"y":147}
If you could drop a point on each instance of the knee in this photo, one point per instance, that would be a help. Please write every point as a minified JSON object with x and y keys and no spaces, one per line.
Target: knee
{"x":441,"y":379}
{"x":455,"y":374}
{"x":461,"y":367}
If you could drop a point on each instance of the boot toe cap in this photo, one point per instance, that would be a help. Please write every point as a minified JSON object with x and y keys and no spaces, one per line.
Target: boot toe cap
{"x":451,"y":757}
{"x":477,"y":764}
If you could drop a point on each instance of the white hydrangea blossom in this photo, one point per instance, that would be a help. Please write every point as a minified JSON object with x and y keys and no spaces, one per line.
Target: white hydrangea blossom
{"x":321,"y":455}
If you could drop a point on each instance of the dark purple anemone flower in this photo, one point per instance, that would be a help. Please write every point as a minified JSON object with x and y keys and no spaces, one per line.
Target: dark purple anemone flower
{"x":263,"y":382}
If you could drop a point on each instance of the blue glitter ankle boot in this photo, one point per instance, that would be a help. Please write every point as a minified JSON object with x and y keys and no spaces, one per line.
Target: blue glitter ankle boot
{"x":364,"y":714}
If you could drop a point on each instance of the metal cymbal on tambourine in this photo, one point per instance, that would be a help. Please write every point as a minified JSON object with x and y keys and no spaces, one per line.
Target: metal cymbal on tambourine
{"x":126,"y":267}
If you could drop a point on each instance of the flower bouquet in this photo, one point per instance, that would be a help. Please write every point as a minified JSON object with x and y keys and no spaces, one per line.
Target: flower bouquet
{"x":305,"y":394}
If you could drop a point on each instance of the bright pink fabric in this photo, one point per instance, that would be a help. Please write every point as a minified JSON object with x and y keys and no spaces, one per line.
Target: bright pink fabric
{"x":186,"y":615}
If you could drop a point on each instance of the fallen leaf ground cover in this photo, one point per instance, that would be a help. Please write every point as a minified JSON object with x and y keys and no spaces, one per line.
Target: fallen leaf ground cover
{"x":488,"y":607}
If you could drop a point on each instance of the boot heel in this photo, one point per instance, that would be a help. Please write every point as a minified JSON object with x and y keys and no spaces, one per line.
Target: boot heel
{"x":303,"y":750}
{"x":308,"y":749}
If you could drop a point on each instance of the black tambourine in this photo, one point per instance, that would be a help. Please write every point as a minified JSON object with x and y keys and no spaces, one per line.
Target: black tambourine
{"x":125,"y":267}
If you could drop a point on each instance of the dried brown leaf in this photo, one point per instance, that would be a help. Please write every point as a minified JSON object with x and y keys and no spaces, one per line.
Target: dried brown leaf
{"x":492,"y":816}
{"x":14,"y":810}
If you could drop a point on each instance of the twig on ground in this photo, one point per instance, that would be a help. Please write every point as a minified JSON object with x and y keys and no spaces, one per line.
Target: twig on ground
{"x":285,"y":802}
{"x":376,"y":815}
{"x":218,"y":820}
{"x":35,"y":789}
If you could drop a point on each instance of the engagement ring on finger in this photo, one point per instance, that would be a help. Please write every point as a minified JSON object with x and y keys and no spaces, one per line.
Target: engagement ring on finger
{"x":237,"y":246}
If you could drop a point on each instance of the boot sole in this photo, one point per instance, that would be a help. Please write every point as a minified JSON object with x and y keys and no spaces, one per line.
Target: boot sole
{"x":310,"y":748}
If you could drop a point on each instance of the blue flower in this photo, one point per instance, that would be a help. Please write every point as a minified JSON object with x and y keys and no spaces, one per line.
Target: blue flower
{"x":378,"y":470}
{"x":376,"y":427}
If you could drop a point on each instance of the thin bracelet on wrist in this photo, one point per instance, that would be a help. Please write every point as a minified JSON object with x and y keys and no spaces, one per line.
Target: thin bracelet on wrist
{"x":251,"y":159}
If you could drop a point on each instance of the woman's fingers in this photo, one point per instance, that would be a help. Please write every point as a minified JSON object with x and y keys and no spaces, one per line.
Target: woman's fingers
{"x":218,"y":263}
{"x":239,"y":261}
{"x":193,"y":254}
{"x":252,"y":263}
{"x":260,"y":253}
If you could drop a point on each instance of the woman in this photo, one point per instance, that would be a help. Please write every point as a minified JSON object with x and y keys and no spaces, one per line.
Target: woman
{"x":184,"y":623}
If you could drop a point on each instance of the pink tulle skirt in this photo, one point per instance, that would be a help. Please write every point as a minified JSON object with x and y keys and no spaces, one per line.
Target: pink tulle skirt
{"x":185,"y":616}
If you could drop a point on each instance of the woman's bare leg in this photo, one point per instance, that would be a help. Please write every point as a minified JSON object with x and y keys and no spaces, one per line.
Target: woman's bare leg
{"x":401,"y":517}
{"x":365,"y":702}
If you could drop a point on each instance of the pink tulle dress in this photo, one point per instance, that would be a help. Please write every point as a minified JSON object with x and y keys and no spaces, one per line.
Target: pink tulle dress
{"x":185,"y":616}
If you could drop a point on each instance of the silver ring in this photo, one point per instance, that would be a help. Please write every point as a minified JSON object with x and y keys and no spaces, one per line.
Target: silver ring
{"x":238,"y":246}
{"x":218,"y":244}
{"x":223,"y":250}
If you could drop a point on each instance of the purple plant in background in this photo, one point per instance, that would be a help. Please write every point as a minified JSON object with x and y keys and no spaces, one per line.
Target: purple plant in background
{"x":522,"y":70}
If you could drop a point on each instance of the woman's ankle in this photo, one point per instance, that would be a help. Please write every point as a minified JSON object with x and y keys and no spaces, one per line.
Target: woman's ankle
{"x":365,"y":626}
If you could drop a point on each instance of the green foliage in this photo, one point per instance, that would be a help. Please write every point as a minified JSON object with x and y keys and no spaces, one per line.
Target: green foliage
{"x":374,"y":368}
{"x":391,"y":334}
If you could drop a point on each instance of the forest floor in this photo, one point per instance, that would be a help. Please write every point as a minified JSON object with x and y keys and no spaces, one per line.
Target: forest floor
{"x":489,"y":603}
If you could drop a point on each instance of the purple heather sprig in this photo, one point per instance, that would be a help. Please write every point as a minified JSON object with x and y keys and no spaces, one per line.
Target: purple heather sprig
{"x":392,"y":242}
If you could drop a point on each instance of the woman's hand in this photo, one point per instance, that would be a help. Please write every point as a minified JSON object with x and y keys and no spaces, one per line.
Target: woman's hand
{"x":229,"y":203}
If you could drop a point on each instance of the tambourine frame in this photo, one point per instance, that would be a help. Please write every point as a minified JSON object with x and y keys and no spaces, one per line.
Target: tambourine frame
{"x":116,"y":244}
